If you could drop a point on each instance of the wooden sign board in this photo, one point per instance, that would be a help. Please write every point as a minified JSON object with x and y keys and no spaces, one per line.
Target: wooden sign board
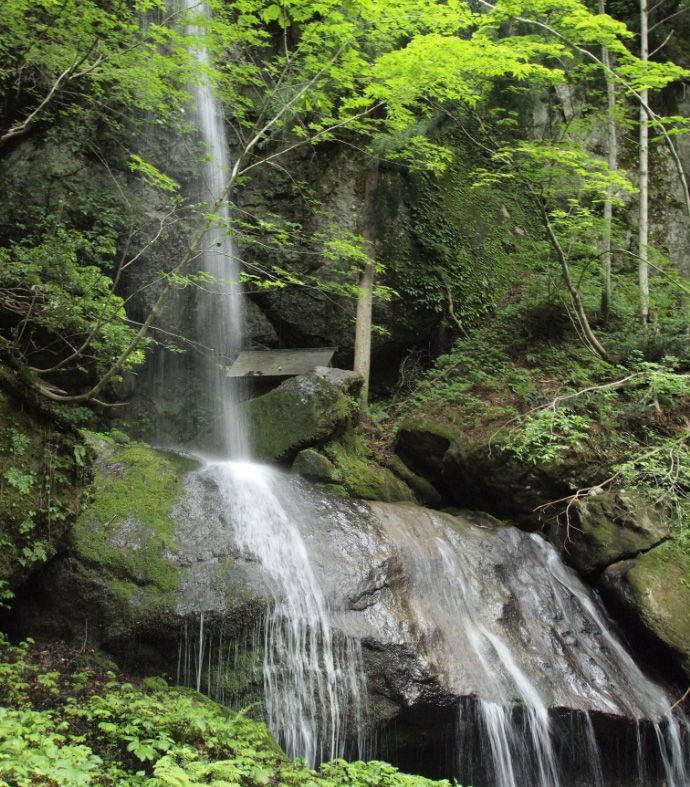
{"x":280,"y":363}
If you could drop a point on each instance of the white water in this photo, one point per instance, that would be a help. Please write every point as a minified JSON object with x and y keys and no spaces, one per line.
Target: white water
{"x":219,"y":310}
{"x":529,"y":638}
{"x":314,"y":694}
{"x":313,"y":680}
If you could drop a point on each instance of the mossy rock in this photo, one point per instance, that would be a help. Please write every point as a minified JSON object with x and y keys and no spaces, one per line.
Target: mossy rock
{"x":474,"y":470}
{"x":303,"y":411}
{"x":423,"y":490}
{"x":152,"y":551}
{"x":422,"y":445}
{"x":127,"y":530}
{"x":43,"y":474}
{"x":655,"y":587}
{"x":608,"y":528}
{"x":362,"y":477}
{"x":315,"y":466}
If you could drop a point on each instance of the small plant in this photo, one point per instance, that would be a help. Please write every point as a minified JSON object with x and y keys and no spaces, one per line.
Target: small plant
{"x":548,"y":435}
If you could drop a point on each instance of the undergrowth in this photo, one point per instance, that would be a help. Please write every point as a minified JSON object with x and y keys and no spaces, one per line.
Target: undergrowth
{"x":65,"y":722}
{"x":526,"y":386}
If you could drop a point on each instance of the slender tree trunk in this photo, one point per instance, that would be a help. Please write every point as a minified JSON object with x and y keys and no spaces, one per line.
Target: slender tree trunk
{"x":365,"y":293}
{"x":612,"y":160}
{"x":643,"y":238}
{"x":580,"y":313}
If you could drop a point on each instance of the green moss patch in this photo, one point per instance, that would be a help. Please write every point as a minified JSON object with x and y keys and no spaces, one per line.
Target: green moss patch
{"x":361,"y":476}
{"x":660,"y":581}
{"x":127,"y":529}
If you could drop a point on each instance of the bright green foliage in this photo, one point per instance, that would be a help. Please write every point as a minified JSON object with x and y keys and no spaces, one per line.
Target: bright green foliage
{"x":52,"y":294}
{"x":68,"y":56}
{"x":76,"y":78}
{"x":303,"y":71}
{"x":84,"y":727}
{"x":549,"y":434}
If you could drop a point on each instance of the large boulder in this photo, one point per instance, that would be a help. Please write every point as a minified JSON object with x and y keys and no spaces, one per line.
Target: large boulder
{"x":653,"y":590}
{"x":602,"y":529}
{"x":151,"y":551}
{"x":172,"y":561}
{"x":303,"y":411}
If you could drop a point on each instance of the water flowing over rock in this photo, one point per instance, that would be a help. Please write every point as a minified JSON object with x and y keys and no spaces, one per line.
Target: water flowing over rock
{"x":444,"y":644}
{"x":447,"y":616}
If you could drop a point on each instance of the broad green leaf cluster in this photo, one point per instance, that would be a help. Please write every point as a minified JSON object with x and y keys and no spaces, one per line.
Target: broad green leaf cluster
{"x":81,"y":726}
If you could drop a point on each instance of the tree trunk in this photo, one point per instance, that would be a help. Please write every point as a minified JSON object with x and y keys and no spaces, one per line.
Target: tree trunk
{"x":643,"y":237}
{"x":365,"y":293}
{"x":581,"y":315}
{"x":612,"y":160}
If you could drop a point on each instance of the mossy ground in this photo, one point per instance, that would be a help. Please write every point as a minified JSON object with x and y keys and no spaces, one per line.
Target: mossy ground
{"x":524,"y":388}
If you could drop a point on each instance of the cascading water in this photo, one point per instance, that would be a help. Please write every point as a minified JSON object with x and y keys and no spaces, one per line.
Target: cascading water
{"x":313,"y":677}
{"x":219,"y":305}
{"x":314,"y":692}
{"x":480,"y":635}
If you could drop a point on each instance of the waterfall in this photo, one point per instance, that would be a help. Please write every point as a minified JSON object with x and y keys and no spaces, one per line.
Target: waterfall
{"x":219,"y":302}
{"x":509,"y":641}
{"x":314,"y":693}
{"x":514,"y":631}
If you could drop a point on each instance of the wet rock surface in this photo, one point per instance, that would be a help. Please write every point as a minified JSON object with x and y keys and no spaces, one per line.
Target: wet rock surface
{"x":444,"y":610}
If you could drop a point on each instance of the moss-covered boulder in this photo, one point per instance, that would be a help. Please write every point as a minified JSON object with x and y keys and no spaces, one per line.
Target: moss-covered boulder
{"x":303,"y":411}
{"x":127,"y":530}
{"x":347,"y":468}
{"x":423,"y":490}
{"x":422,"y":445}
{"x":151,"y":552}
{"x":361,"y":476}
{"x":654,"y":588}
{"x":606,"y":528}
{"x":43,"y":467}
{"x":313,"y":464}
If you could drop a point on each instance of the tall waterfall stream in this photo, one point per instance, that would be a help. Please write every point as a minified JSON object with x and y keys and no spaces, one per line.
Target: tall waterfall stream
{"x":510,"y":636}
